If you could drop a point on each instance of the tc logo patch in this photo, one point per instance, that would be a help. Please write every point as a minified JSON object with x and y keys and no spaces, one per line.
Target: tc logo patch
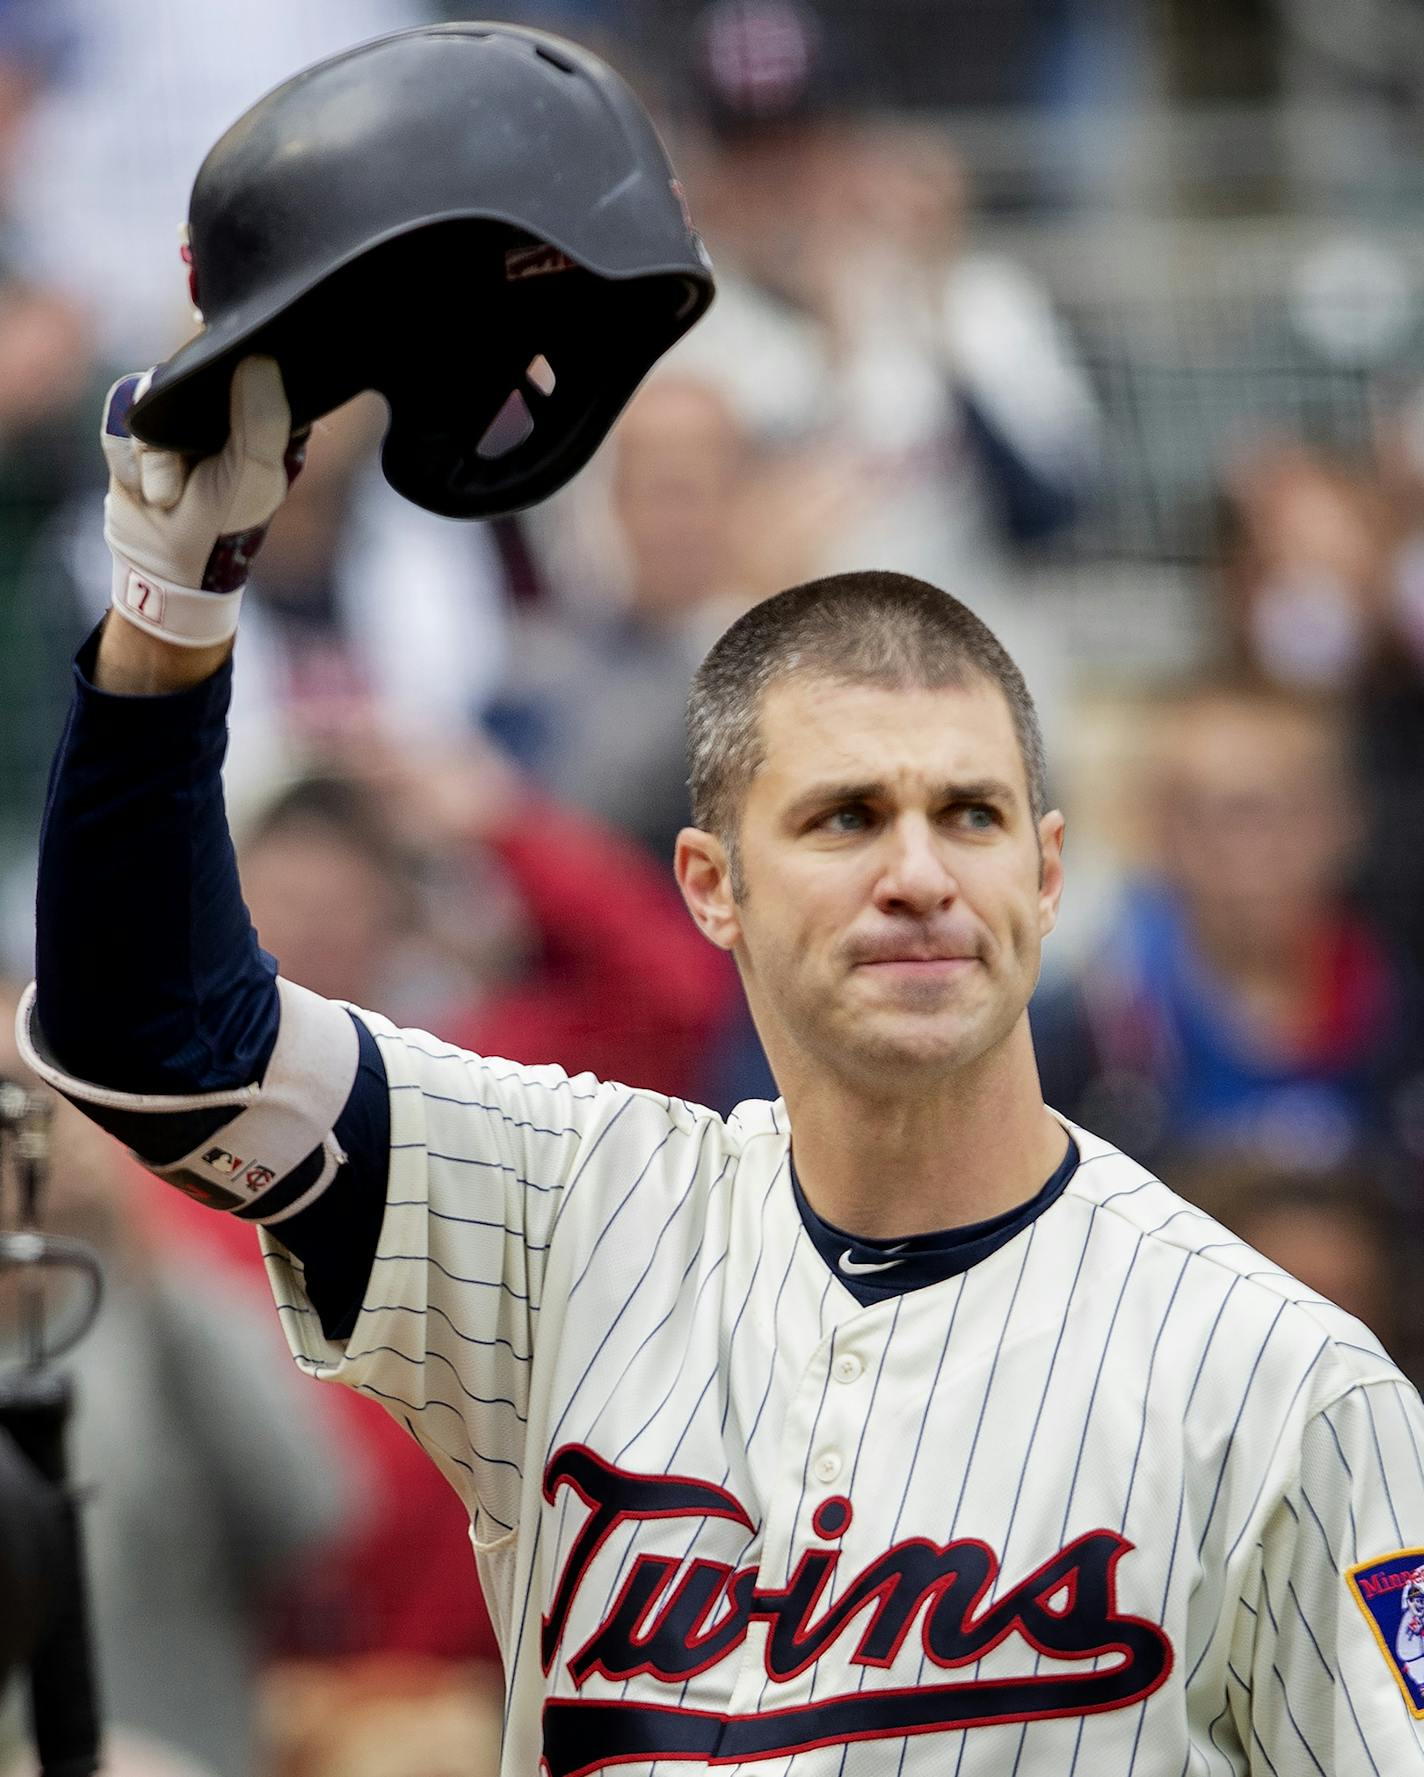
{"x":1390,"y":1592}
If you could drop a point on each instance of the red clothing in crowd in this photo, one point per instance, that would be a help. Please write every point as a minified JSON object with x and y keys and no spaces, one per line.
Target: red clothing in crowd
{"x":626,"y":987}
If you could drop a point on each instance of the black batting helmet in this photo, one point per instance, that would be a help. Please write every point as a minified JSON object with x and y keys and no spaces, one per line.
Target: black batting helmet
{"x":476,"y":220}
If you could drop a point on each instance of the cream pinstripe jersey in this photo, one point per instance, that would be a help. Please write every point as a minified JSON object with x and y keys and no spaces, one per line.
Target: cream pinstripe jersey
{"x":1105,"y":1502}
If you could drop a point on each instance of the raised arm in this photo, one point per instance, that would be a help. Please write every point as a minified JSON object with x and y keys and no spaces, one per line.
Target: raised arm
{"x":154,"y":1008}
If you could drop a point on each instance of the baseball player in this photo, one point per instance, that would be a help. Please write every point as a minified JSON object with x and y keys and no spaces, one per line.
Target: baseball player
{"x":894,"y":1426}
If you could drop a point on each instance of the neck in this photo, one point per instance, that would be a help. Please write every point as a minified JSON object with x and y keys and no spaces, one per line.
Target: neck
{"x":922,"y":1156}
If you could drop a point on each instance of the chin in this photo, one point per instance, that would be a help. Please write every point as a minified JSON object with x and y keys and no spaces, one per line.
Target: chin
{"x":895,"y":1056}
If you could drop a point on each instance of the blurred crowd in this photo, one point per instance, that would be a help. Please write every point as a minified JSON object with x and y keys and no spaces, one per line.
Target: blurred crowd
{"x":459,"y":805}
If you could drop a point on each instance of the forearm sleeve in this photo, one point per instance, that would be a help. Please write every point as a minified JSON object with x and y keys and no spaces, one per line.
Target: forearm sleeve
{"x":149,"y":975}
{"x":150,"y":984}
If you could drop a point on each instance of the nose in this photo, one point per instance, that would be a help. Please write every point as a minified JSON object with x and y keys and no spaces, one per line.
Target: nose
{"x":915,"y":877}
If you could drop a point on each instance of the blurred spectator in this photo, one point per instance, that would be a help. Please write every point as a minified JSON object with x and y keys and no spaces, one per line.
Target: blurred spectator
{"x":46,"y":450}
{"x":1305,"y":567}
{"x":1333,"y":1230}
{"x":1238,"y":999}
{"x":335,"y":895}
{"x":383,"y":1718}
{"x":1391,"y":704}
{"x":208,"y":1468}
{"x":35,"y":41}
{"x":442,"y":883}
{"x":44,"y":351}
{"x":1322,"y":577}
{"x":610,"y":976}
{"x":698,"y":525}
{"x":136,"y":95}
{"x":851,"y":308}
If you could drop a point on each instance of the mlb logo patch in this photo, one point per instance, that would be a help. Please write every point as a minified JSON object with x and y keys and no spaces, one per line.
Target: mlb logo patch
{"x":1390,"y":1591}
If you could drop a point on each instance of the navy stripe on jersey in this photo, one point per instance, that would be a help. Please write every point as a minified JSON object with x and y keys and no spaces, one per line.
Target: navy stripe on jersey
{"x":1077,"y":1467}
{"x":552,"y":1441}
{"x":914,"y":1462}
{"x":1147,"y":1390}
{"x":714,"y":1373}
{"x":1300,"y":1387}
{"x":620,"y":1382}
{"x":989,"y":1385}
{"x":1048,"y":1380}
{"x":377,"y":1308}
{"x":974,"y":1441}
{"x":860,"y":1440}
{"x":1381,"y":1465}
{"x":611,"y":1325}
{"x":433,"y":1356}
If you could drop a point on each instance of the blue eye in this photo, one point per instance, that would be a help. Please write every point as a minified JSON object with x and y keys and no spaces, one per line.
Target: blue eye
{"x":853,"y":813}
{"x":980,"y":816}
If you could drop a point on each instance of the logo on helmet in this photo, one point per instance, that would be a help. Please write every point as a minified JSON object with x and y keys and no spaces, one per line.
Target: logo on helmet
{"x":535,"y":262}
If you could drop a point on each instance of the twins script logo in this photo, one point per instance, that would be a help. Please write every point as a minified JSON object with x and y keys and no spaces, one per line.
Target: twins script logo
{"x":673,"y":1619}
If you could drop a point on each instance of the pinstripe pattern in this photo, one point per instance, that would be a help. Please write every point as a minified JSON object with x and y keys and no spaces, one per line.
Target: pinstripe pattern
{"x":569,"y":1265}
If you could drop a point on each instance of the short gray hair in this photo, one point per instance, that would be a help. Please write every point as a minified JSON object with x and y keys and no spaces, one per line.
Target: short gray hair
{"x":869,"y":628}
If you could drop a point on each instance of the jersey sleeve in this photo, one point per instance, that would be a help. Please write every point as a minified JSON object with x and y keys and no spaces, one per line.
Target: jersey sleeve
{"x":483,"y":1156}
{"x":1321,"y":1675}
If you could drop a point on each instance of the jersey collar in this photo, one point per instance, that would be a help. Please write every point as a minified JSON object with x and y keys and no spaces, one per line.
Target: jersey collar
{"x":875,"y":1269}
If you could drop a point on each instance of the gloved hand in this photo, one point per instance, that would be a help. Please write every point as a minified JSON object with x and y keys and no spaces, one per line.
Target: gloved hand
{"x":183,"y":533}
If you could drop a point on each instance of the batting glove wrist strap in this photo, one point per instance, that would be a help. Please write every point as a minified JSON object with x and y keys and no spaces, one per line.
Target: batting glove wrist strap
{"x":173,"y":613}
{"x":182,"y":533}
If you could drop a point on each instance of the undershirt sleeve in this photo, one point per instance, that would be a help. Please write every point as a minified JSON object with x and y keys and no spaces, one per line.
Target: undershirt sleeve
{"x":149,"y":976}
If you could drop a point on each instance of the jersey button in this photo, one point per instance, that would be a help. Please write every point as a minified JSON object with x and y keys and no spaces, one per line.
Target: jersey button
{"x":848,"y":1367}
{"x":826,"y":1466}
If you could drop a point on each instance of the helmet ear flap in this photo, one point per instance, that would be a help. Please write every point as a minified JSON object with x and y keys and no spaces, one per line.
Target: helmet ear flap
{"x":501,"y":435}
{"x":523,"y":399}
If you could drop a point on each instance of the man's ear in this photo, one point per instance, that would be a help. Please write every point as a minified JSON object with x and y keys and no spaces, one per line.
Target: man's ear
{"x":1050,"y":870}
{"x":704,"y":874}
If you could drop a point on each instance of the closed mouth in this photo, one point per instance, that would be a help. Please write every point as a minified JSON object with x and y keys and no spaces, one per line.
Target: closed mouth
{"x":924,"y":962}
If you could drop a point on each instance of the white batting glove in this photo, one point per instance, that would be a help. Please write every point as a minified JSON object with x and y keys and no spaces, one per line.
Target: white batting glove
{"x":183,"y":533}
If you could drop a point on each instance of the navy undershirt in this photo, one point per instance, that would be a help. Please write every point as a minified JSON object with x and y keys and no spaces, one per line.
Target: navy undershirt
{"x":149,"y":974}
{"x":151,"y":979}
{"x":923,"y":1259}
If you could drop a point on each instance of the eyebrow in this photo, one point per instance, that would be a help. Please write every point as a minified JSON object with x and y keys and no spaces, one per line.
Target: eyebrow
{"x":826,"y":795}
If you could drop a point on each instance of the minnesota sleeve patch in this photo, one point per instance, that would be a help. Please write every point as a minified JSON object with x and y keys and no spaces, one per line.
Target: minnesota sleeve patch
{"x":1390,"y":1591}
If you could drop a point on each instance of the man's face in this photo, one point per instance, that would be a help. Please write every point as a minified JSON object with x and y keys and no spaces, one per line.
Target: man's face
{"x":323,"y":909}
{"x":895,"y":891}
{"x":1253,"y":818}
{"x":678,"y":469}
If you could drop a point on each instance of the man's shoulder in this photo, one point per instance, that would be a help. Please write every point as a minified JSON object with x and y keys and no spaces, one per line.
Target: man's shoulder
{"x":1216,"y":1264}
{"x":544,"y":1100}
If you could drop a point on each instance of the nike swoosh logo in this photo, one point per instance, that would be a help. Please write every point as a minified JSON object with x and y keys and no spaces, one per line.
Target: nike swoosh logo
{"x":853,"y":1268}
